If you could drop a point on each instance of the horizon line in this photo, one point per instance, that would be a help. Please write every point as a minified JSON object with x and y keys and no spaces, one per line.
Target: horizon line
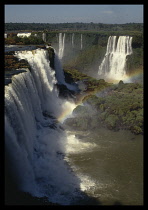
{"x":78,"y":22}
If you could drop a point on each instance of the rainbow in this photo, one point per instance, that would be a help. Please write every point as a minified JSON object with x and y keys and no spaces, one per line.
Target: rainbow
{"x":68,"y":106}
{"x":136,"y":76}
{"x":128,"y":78}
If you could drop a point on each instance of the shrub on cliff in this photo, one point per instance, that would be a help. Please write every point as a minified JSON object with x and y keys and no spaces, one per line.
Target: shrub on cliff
{"x":122,"y":108}
{"x":24,"y":40}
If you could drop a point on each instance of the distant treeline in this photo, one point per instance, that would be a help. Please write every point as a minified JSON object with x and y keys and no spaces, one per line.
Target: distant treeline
{"x":73,"y":26}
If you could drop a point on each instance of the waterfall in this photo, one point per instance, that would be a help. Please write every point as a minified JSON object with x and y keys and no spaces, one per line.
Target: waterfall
{"x":59,"y":71}
{"x":61,"y":45}
{"x":81,"y":42}
{"x":113,"y":65}
{"x":60,"y":74}
{"x":34,"y":139}
{"x":38,"y":60}
{"x":44,"y":37}
{"x":73,"y":40}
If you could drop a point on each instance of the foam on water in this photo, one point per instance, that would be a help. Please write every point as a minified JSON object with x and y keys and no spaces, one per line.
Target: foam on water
{"x":75,"y":146}
{"x":34,"y":139}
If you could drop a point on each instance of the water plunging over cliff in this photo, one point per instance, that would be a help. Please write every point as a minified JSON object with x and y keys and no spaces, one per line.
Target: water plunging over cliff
{"x":60,"y":74}
{"x":72,"y":41}
{"x":44,"y":37}
{"x":81,"y":41}
{"x":113,"y":65}
{"x":69,"y":167}
{"x":61,"y":45}
{"x":34,"y":140}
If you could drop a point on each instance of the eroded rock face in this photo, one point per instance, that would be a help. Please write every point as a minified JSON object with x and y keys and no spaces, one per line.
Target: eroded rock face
{"x":51,"y":56}
{"x":12,"y":63}
{"x":15,"y":66}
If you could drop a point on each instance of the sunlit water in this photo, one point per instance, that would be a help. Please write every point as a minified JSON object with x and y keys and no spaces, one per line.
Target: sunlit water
{"x":109,"y":165}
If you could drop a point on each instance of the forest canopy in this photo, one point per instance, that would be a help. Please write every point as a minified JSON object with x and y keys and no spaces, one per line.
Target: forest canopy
{"x":74,"y":26}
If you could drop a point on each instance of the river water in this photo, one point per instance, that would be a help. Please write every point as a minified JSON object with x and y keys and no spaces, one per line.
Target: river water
{"x":109,"y":165}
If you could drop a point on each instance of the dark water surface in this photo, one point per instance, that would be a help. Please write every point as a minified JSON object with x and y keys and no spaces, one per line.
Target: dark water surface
{"x":109,"y":164}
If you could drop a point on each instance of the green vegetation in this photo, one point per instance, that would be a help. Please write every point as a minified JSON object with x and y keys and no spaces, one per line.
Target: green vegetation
{"x":121,"y":108}
{"x":112,"y":106}
{"x":95,"y":36}
{"x":90,"y":57}
{"x":87,"y":61}
{"x":12,"y":63}
{"x":92,"y":85}
{"x":118,"y":106}
{"x":74,"y":26}
{"x":135,"y":60}
{"x":13,"y":39}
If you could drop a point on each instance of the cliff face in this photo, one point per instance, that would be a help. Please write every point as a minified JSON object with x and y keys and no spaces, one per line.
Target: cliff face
{"x":51,"y":56}
{"x":84,"y":50}
{"x":15,"y":66}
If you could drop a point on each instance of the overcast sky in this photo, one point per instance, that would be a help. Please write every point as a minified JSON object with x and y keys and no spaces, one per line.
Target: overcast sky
{"x":74,"y":13}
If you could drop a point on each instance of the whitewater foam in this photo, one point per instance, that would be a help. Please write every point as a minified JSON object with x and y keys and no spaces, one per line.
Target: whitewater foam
{"x":73,"y":40}
{"x":61,"y":45}
{"x":113,"y":66}
{"x":81,"y":41}
{"x":75,"y":145}
{"x":35,"y":140}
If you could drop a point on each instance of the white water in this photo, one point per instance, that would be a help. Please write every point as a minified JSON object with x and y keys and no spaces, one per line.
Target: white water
{"x":40,"y":150}
{"x":36,"y":142}
{"x":60,"y":74}
{"x":73,"y":40}
{"x":75,"y":146}
{"x":81,"y":41}
{"x":44,"y":37}
{"x":58,"y":69}
{"x":27,"y":34}
{"x":44,"y":78}
{"x":61,"y":45}
{"x":113,"y":65}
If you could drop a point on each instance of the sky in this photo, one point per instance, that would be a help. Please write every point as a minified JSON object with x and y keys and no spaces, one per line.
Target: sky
{"x":95,"y":13}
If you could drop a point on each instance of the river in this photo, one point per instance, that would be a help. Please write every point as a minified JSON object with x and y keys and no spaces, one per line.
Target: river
{"x":109,"y":165}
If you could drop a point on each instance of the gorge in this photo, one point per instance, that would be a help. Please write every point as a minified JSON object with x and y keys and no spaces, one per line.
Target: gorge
{"x":46,"y":155}
{"x":86,"y":52}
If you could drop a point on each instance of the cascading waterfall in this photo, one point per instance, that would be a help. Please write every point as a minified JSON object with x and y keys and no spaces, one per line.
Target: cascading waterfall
{"x":113,"y":65}
{"x":60,"y":74}
{"x":38,"y":60}
{"x":34,"y":140}
{"x":81,"y":41}
{"x":61,"y":45}
{"x":44,"y":37}
{"x":72,"y":40}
